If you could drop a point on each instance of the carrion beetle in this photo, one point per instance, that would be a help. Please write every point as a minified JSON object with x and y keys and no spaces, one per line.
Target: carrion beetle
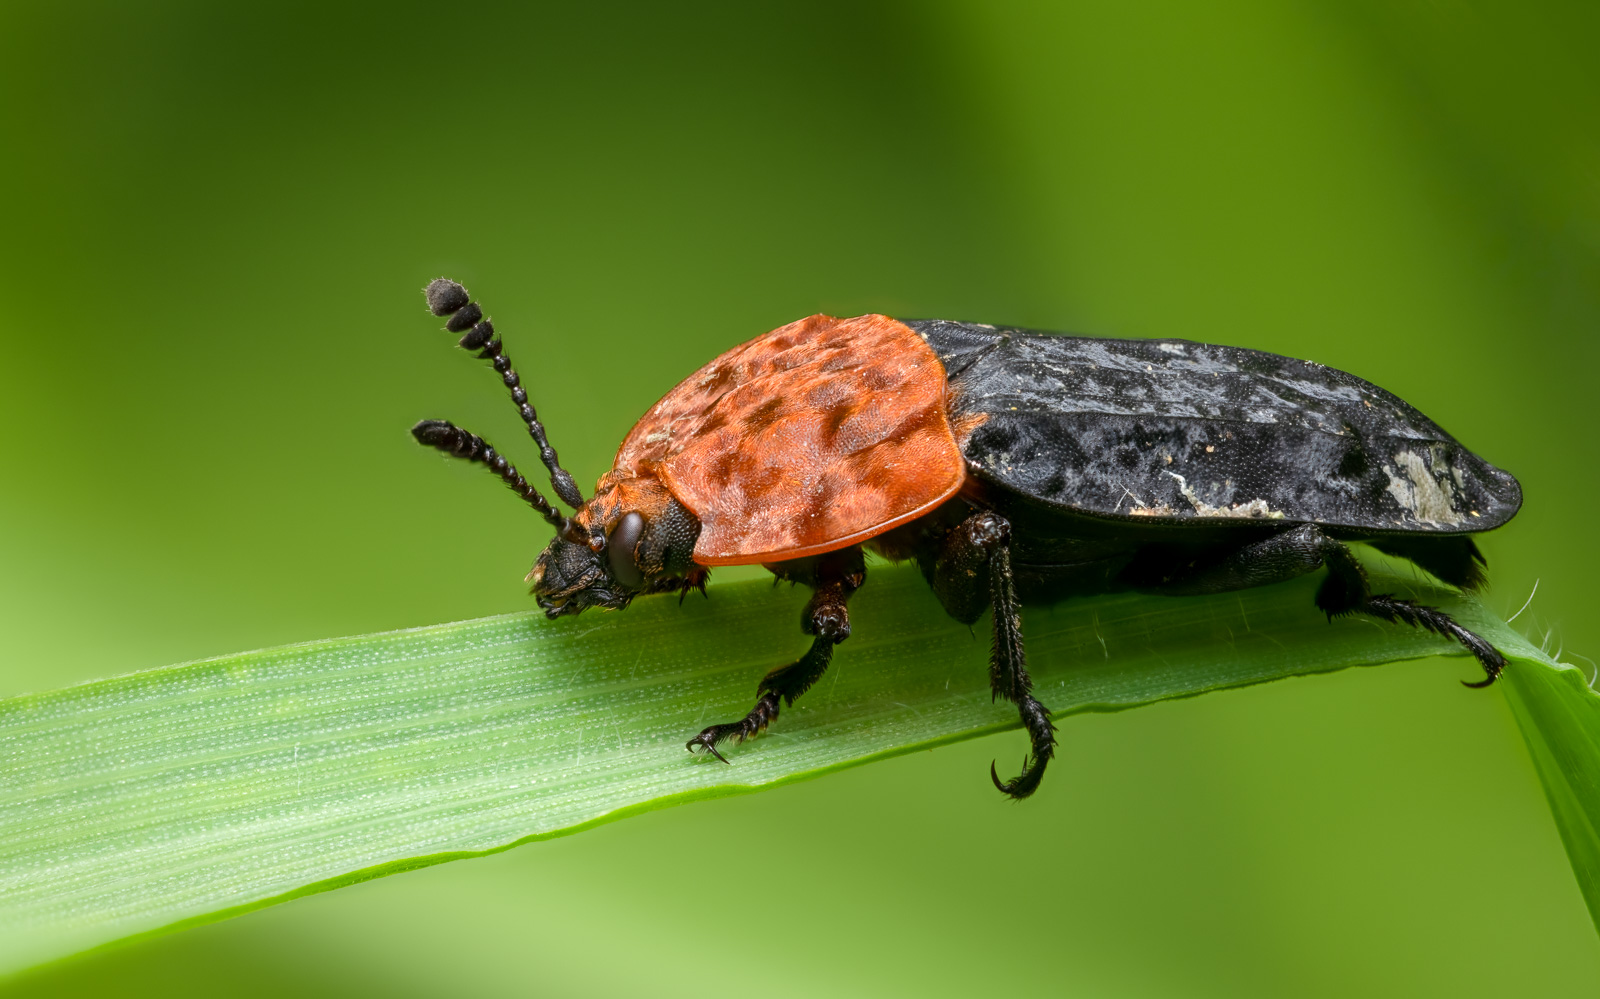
{"x":1012,"y":466}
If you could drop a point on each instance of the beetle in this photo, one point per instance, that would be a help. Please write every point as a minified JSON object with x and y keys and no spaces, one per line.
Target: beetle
{"x":1012,"y":466}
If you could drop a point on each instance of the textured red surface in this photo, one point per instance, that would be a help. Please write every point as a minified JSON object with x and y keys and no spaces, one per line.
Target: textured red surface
{"x":816,"y":436}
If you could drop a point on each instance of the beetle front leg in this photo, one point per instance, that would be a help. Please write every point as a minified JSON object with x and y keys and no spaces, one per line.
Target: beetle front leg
{"x":835,"y":577}
{"x":979,"y":550}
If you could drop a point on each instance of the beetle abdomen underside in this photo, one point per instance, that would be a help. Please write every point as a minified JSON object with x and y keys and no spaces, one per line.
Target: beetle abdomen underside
{"x":1179,"y":431}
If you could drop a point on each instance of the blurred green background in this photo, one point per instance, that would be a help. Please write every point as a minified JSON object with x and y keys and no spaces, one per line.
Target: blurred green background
{"x":216,"y":225}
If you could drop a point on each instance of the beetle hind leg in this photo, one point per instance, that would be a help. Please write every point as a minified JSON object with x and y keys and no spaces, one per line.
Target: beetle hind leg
{"x":827,"y":618}
{"x":1346,"y":592}
{"x":1305,"y":548}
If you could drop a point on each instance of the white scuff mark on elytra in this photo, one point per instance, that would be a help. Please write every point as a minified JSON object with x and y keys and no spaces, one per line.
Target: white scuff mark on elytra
{"x":1416,"y":490}
{"x":1525,"y":603}
{"x":1128,"y":494}
{"x":1152,"y":511}
{"x":1256,"y":509}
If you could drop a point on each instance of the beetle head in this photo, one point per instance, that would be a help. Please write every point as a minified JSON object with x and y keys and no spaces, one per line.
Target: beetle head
{"x":571,"y":575}
{"x":632,"y":538}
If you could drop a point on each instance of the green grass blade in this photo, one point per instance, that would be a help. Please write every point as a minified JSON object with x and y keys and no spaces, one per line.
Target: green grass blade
{"x":1559,"y":715}
{"x":198,"y":791}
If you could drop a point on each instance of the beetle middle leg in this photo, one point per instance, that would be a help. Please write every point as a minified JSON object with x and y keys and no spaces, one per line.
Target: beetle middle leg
{"x":971,"y":572}
{"x":1300,"y":550}
{"x":834,"y":577}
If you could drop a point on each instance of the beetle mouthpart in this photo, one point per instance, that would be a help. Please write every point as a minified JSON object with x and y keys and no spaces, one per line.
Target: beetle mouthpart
{"x":557,"y":607}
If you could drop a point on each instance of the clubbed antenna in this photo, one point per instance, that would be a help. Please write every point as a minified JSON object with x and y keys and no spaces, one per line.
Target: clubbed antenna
{"x":452,"y":439}
{"x":447,"y":298}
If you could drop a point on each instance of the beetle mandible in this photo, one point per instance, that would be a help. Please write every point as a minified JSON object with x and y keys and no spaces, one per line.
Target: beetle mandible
{"x":1012,"y":466}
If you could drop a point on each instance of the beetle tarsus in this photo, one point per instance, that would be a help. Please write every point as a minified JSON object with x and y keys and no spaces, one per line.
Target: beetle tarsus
{"x":1431,"y":619}
{"x":836,"y":576}
{"x":708,"y":739}
{"x":779,"y":687}
{"x":753,"y":724}
{"x":1022,"y":785}
{"x":1041,"y":733}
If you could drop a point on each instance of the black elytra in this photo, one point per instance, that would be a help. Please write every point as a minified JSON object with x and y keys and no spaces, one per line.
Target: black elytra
{"x":1093,"y":466}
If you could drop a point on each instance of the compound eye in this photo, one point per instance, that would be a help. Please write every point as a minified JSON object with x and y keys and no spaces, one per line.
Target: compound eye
{"x":619,"y":551}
